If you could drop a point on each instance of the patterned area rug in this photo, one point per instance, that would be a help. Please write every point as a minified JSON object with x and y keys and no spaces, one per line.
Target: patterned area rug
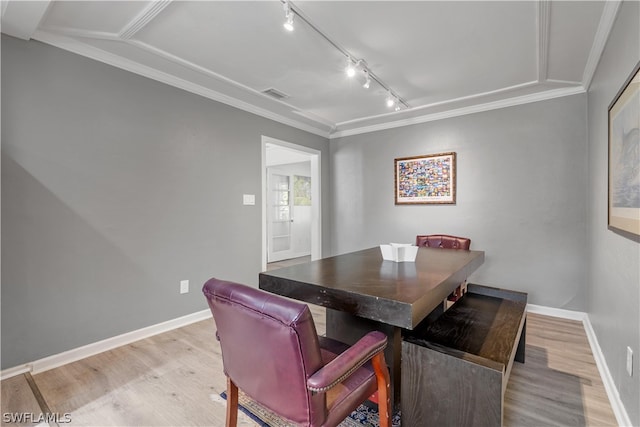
{"x":363,"y":416}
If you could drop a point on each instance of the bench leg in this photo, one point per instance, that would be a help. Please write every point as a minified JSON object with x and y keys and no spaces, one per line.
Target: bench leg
{"x":522,"y":343}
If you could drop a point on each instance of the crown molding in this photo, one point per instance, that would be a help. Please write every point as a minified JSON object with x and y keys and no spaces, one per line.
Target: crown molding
{"x":544,"y":20}
{"x":21,"y":19}
{"x":78,"y":33}
{"x":92,"y":52}
{"x":478,"y":108}
{"x":3,"y":7}
{"x":605,"y":26}
{"x":563,"y":82}
{"x":445,"y":104}
{"x":143,"y":18}
{"x":69,"y":40}
{"x":65,"y":40}
{"x":103,"y":35}
{"x":209,"y":73}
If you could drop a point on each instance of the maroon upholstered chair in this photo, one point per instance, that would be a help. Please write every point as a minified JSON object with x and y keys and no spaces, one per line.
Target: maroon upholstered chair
{"x":443,"y":241}
{"x":271,"y":351}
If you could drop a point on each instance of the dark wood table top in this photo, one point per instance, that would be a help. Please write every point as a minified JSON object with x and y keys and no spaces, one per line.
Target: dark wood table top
{"x":363,"y":284}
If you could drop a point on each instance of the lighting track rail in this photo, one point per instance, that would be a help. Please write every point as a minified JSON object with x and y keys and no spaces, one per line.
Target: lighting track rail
{"x":352,"y":62}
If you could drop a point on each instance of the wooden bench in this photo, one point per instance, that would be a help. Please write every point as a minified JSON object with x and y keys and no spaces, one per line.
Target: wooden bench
{"x":455,"y":369}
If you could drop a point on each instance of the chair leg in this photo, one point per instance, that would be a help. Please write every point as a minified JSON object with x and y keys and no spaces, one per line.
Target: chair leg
{"x":384,"y":398}
{"x":232,"y":403}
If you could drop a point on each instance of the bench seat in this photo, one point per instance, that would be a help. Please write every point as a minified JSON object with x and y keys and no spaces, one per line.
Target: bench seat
{"x":455,"y":369}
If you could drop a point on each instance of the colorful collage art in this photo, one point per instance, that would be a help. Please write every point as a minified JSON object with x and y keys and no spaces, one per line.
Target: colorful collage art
{"x":426,"y":179}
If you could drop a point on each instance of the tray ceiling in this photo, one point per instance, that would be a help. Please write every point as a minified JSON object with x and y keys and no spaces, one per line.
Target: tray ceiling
{"x":442,"y":58}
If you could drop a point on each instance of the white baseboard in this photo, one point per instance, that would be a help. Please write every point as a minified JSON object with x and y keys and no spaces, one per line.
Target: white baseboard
{"x":75,"y":354}
{"x":556,"y":312}
{"x":16,"y":370}
{"x":612,"y":392}
{"x":614,"y":396}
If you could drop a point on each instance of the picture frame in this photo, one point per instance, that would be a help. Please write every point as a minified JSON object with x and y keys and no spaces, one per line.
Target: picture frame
{"x":624,"y":158}
{"x":427,"y":179}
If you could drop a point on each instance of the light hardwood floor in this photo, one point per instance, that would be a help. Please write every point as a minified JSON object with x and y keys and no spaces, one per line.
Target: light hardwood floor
{"x":175,"y":379}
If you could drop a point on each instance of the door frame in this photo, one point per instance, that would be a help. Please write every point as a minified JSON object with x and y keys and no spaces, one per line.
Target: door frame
{"x":316,"y":186}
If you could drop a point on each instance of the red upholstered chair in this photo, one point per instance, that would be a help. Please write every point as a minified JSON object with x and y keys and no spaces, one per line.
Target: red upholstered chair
{"x":443,"y":241}
{"x":271,"y":351}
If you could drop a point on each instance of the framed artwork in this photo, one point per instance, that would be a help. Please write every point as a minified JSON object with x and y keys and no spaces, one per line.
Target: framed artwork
{"x":429,"y":179}
{"x":624,"y":157}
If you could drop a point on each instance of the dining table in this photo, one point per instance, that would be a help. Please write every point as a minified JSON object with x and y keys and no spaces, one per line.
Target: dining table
{"x":363,"y":292}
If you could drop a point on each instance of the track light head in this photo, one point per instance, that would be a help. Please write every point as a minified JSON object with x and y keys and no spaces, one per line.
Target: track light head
{"x":351,"y":71}
{"x":288,"y":14}
{"x":355,"y":68}
{"x":351,"y":68}
{"x":367,"y":79}
{"x":391,"y":100}
{"x":288,"y":24}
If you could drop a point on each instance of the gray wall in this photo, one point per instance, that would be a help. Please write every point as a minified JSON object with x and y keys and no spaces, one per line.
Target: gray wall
{"x":522,"y":192}
{"x":614,"y":261}
{"x":114,"y":188}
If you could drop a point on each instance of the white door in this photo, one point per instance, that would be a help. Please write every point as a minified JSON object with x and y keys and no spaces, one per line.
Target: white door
{"x":301,"y":166}
{"x":279,"y":215}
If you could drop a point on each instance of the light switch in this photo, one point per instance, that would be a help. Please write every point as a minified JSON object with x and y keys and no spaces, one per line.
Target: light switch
{"x":184,"y":286}
{"x":248,"y":199}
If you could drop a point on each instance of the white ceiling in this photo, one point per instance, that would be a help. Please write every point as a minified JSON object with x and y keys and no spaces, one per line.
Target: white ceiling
{"x":442,"y":58}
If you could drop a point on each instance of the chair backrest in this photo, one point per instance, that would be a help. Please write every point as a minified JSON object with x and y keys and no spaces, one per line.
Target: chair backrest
{"x":269,"y":348}
{"x":443,"y":241}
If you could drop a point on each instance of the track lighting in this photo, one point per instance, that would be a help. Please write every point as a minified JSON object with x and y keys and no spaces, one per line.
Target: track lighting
{"x":354,"y":67}
{"x":288,"y":25}
{"x":394,"y":102}
{"x":288,"y":14}
{"x":391,"y":100}
{"x":367,"y":79}
{"x":351,"y":67}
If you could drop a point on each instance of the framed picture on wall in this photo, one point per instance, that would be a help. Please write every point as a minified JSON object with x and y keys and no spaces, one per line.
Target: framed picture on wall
{"x":429,"y":179}
{"x":624,"y":157}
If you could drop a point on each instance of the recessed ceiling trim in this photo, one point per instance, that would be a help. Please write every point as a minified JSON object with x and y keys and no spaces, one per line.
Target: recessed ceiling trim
{"x":544,"y":15}
{"x":605,"y":26}
{"x":563,"y":82}
{"x":188,"y":64}
{"x":520,"y":100}
{"x":205,"y":71}
{"x":448,"y":101}
{"x":143,"y":18}
{"x":100,"y":55}
{"x":315,"y":118}
{"x":21,"y":18}
{"x":178,"y":71}
{"x":3,"y":7}
{"x":85,"y":34}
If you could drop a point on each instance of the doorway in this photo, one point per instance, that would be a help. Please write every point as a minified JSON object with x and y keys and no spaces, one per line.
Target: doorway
{"x":291,"y":208}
